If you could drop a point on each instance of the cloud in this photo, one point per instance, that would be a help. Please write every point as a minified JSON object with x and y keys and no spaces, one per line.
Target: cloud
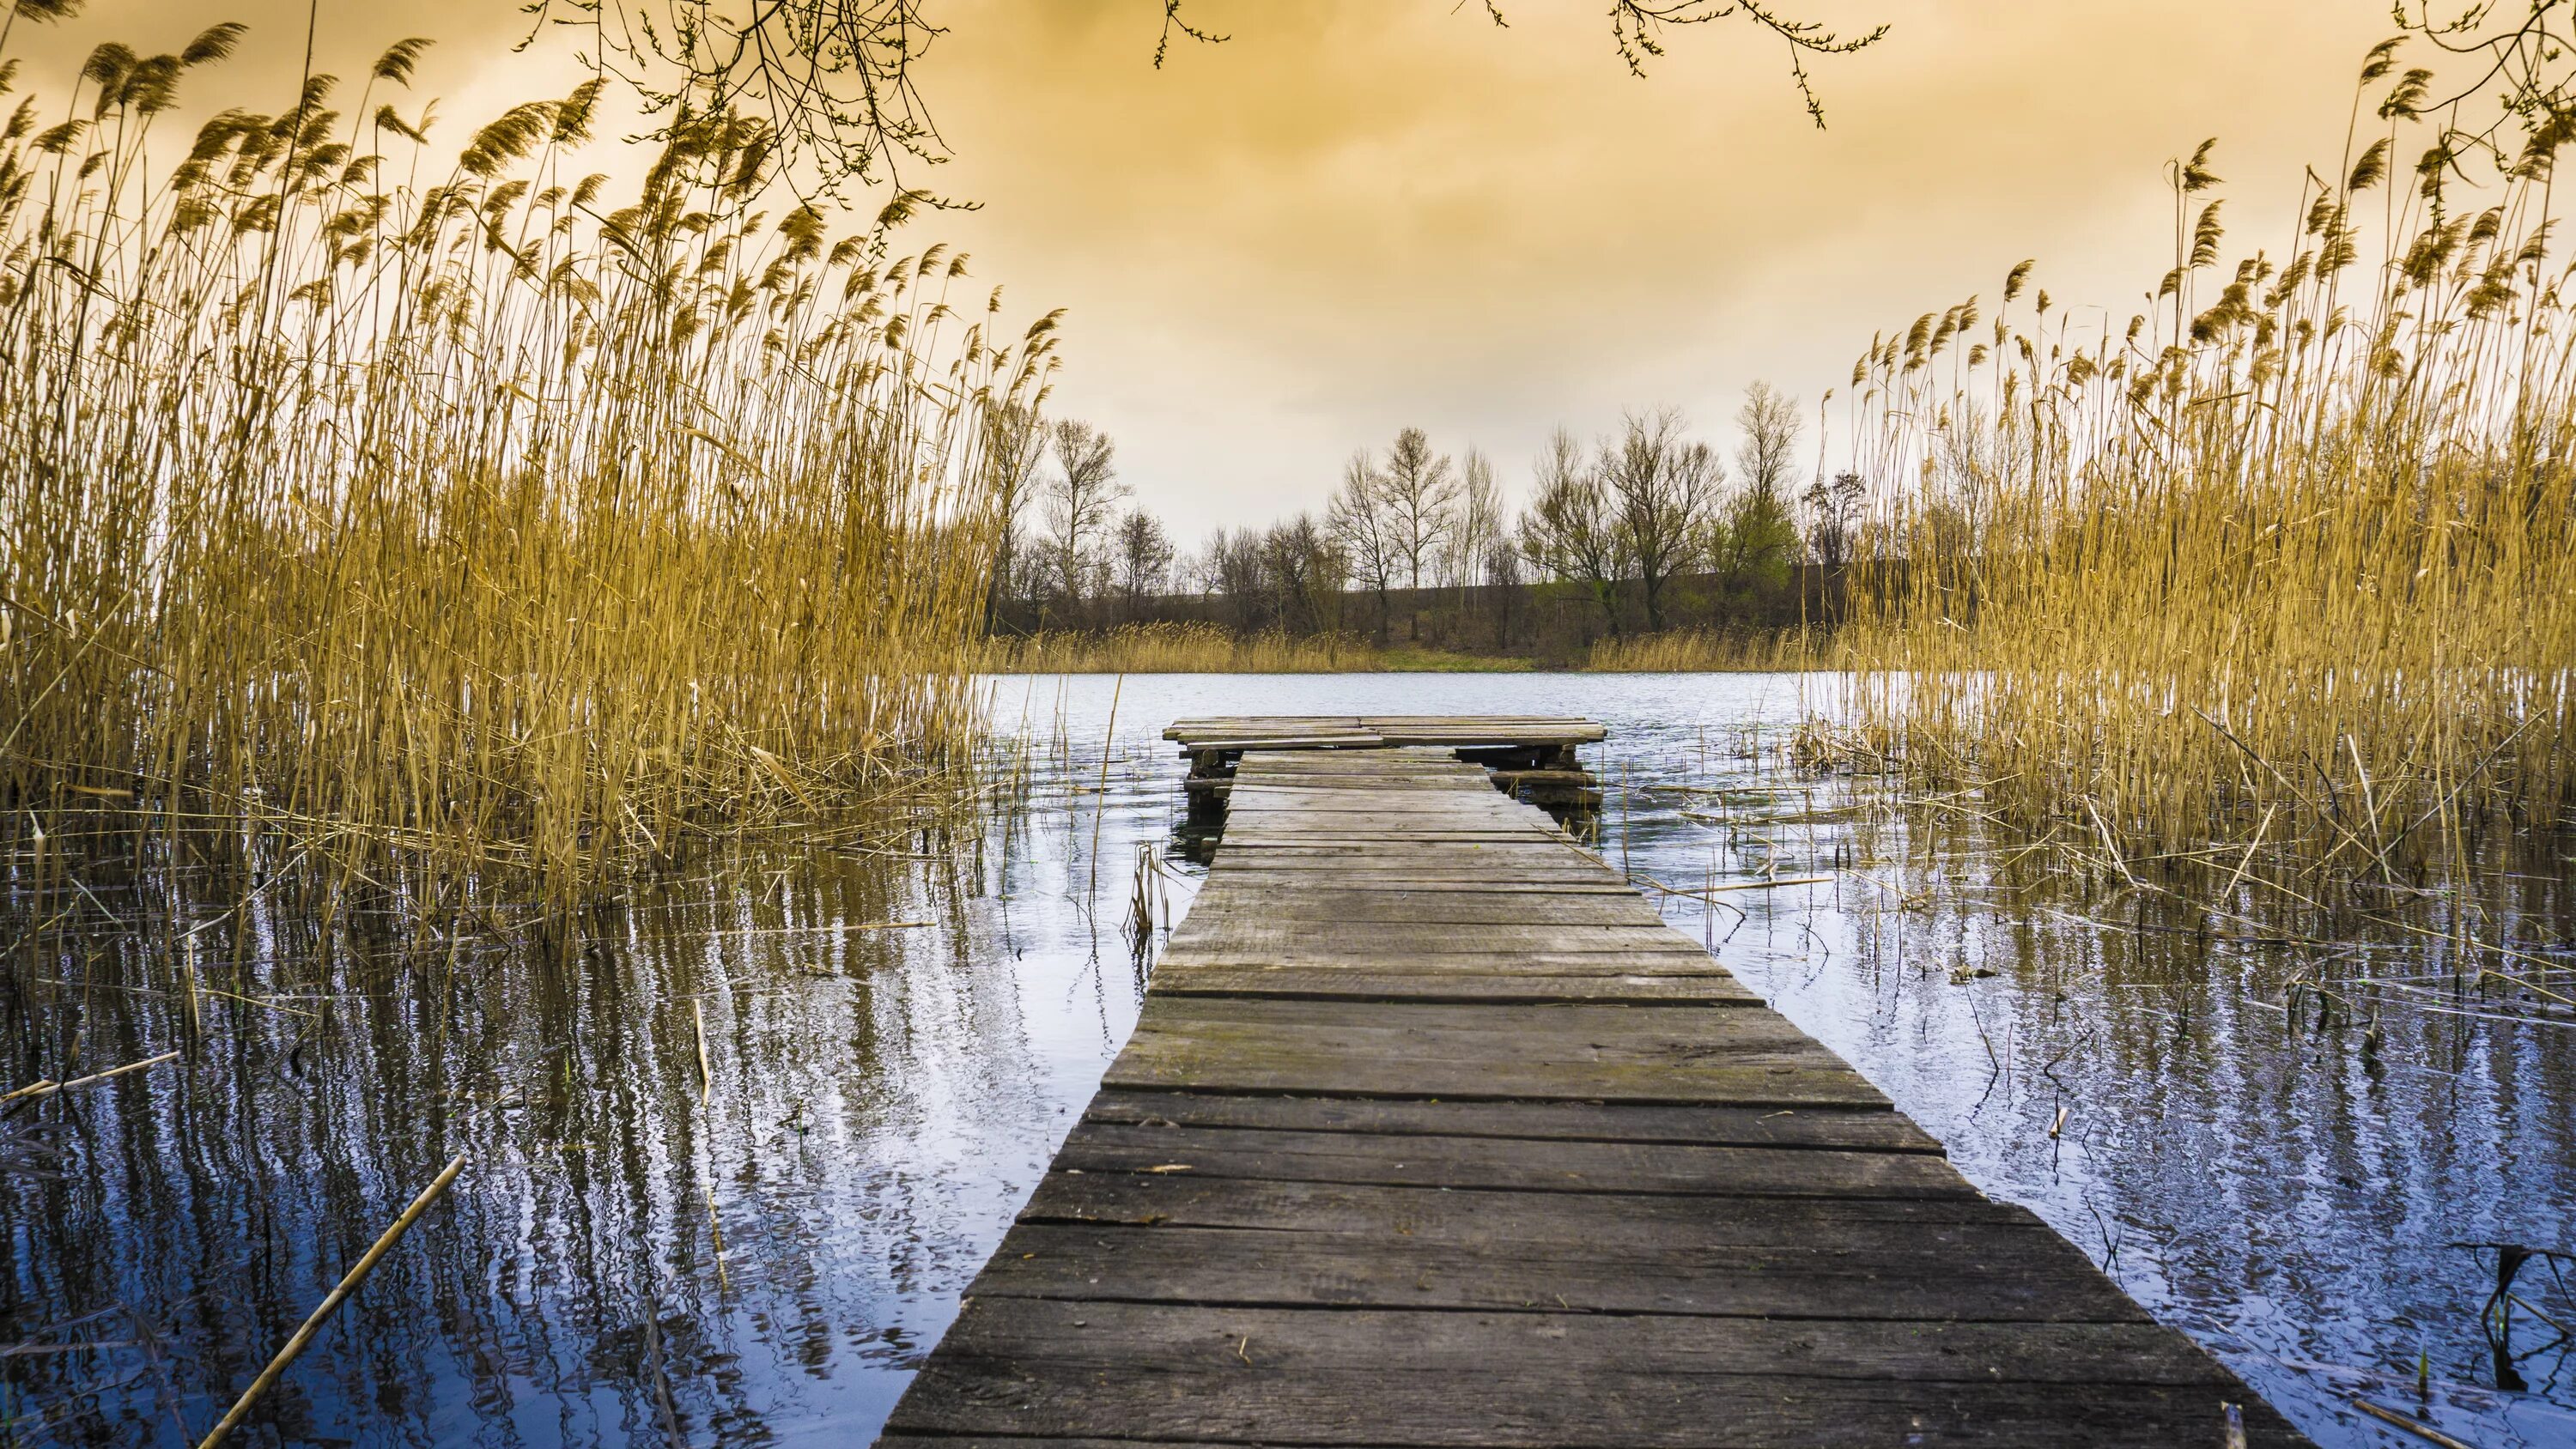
{"x":1357,"y":215}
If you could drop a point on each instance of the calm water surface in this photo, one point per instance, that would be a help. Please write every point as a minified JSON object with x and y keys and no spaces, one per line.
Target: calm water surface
{"x":737,"y":1143}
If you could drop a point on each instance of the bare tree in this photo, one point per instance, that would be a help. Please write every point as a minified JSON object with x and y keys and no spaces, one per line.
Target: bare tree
{"x":1420,"y":490}
{"x":1233,"y":566}
{"x":1080,"y":500}
{"x":1570,"y":530}
{"x":1361,"y":522}
{"x":1767,"y":453}
{"x":1305,"y":574}
{"x":1662,"y":486}
{"x":1143,"y":553}
{"x":1833,"y":518}
{"x":1480,"y":520}
{"x":1502,"y":577}
{"x":1203,"y":570}
{"x":1754,"y":540}
{"x":1015,"y":443}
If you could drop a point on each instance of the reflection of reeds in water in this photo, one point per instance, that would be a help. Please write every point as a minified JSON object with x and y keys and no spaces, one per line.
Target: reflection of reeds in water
{"x":454,"y":506}
{"x":172,"y":1225}
{"x":2299,"y":542}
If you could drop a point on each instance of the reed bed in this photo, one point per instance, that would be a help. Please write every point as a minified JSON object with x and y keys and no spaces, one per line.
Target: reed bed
{"x":2290,"y":556}
{"x":1178,"y":648}
{"x":1686,"y":651}
{"x":437,"y":502}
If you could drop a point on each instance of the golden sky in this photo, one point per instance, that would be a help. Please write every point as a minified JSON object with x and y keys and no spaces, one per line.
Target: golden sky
{"x":1358,"y":215}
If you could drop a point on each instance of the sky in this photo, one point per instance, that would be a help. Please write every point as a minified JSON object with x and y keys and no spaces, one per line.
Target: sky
{"x":1355,"y":216}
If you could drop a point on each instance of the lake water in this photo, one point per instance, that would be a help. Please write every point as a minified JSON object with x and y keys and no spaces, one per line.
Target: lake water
{"x":737,"y":1143}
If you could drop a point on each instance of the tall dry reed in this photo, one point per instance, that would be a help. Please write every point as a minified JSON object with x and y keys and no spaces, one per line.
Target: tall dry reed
{"x":1178,"y":648}
{"x":433,"y":500}
{"x":2294,"y":549}
{"x":1690,"y":651}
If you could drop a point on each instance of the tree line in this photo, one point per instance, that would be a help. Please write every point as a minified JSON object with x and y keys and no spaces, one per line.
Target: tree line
{"x":1645,"y":527}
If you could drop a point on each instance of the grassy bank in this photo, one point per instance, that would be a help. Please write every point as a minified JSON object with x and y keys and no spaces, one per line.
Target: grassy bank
{"x":1173,"y":648}
{"x":443,"y":503}
{"x":2291,"y":555}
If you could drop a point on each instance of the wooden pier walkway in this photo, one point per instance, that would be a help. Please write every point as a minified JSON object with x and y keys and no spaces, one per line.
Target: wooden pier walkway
{"x":1433,"y":1133}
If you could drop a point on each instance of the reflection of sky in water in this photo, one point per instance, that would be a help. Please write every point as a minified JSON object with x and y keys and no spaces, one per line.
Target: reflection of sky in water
{"x":774,"y":1250}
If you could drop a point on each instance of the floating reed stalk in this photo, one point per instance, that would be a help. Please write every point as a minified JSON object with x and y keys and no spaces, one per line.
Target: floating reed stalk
{"x":348,"y":1284}
{"x":47,"y":1088}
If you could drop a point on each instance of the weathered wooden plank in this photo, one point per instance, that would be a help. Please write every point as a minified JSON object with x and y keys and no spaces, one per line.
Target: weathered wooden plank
{"x":1469,"y":737}
{"x":1405,"y":940}
{"x":1034,"y":1366}
{"x":1860,"y":1129}
{"x":1253,"y":878}
{"x":1401,"y":1342}
{"x":1540,"y":1219}
{"x":1510,"y":822}
{"x":1499,"y":856}
{"x":1349,"y":767}
{"x":1652,"y":959}
{"x":1015,"y":1441}
{"x":1588,"y":881}
{"x":1560,"y":1050}
{"x":1392,"y":761}
{"x":1425,"y":908}
{"x":1339,"y":791}
{"x":1402,"y":801}
{"x":1352,"y":741}
{"x":1597,"y":1033}
{"x":1504,"y":818}
{"x":1566,"y":1166}
{"x":1302,"y":869}
{"x":1398,"y":794}
{"x":1983,"y":1273}
{"x":1384,"y":836}
{"x":1755,"y":1082}
{"x":1451,"y":731}
{"x":1524,"y":988}
{"x":1575,"y":1404}
{"x":1388,"y":818}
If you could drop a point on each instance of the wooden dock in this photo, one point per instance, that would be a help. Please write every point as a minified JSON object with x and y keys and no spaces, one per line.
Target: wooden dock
{"x":1528,"y":757}
{"x":1433,"y":1133}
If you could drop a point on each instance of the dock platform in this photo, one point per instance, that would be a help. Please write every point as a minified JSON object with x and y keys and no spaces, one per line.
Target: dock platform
{"x":1531,"y":758}
{"x":1432,"y":1132}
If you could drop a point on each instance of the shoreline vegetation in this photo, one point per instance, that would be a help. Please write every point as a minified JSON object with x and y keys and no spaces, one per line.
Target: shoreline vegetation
{"x":1167,"y":647}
